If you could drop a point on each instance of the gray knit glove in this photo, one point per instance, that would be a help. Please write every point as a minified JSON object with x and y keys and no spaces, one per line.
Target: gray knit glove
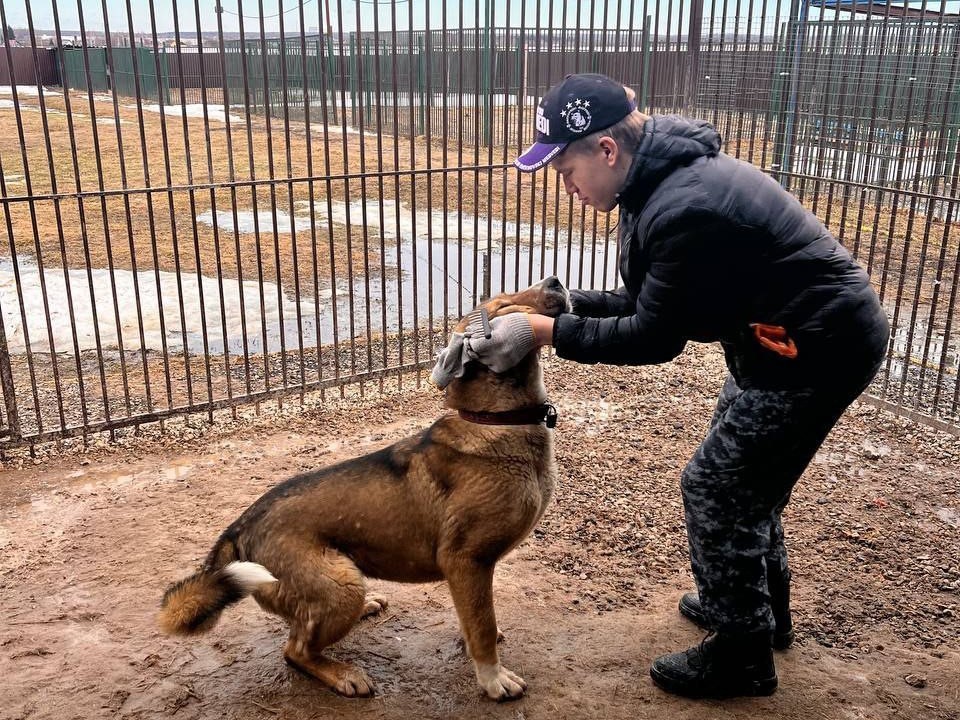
{"x":511,"y":339}
{"x":450,"y":362}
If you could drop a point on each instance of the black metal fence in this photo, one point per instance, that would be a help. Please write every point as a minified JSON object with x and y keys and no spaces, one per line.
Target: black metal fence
{"x":197,"y":221}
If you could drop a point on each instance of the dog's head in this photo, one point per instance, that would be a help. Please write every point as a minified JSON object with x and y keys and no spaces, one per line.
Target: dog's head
{"x":471,"y":385}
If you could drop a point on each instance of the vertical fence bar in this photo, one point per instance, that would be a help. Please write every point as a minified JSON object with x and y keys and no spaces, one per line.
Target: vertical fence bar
{"x":83,"y":222}
{"x":311,"y":206}
{"x":397,"y":197}
{"x":138,"y":73}
{"x":479,"y":284}
{"x":134,"y":264}
{"x":944,"y":153}
{"x":346,"y":199}
{"x":361,"y":81}
{"x":291,"y":210}
{"x":445,"y":161}
{"x":41,"y":276}
{"x":192,"y":199}
{"x":920,"y":157}
{"x":231,"y":178}
{"x":216,"y":229}
{"x":172,"y":212}
{"x":41,"y":273}
{"x":378,"y":88}
{"x":426,"y":90}
{"x":461,"y":51}
{"x":490,"y":139}
{"x":871,"y":140}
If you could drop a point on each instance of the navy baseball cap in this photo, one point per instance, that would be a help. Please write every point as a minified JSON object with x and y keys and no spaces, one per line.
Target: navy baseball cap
{"x":572,"y":109}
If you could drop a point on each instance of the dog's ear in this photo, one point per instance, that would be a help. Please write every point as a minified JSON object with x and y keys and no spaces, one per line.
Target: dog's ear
{"x":450,"y":362}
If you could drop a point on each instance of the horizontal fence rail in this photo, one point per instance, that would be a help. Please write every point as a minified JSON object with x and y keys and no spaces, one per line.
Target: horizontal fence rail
{"x":203,"y":211}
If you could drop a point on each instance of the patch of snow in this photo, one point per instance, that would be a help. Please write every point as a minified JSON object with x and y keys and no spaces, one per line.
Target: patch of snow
{"x":26,"y":90}
{"x":276,"y":306}
{"x":248,"y":221}
{"x":195,"y":110}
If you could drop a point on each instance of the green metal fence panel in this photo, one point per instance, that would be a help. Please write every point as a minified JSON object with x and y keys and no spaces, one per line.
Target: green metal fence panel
{"x":76,"y":76}
{"x":131,"y":65}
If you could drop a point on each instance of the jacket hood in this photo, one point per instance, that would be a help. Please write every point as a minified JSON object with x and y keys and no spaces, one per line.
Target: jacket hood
{"x":668,"y":142}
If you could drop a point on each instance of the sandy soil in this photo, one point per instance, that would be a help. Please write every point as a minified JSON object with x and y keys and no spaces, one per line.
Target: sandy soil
{"x":91,"y":537}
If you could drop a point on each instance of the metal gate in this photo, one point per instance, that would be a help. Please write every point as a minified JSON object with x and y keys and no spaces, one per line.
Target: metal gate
{"x":219,"y":210}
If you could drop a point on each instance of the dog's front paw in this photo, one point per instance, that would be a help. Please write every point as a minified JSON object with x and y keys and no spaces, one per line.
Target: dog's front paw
{"x":500,"y":683}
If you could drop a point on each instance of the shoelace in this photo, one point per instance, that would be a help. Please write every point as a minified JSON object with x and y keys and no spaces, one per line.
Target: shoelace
{"x":695,"y":657}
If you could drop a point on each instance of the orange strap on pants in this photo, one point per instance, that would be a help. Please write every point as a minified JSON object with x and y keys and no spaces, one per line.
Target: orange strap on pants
{"x":775,"y":339}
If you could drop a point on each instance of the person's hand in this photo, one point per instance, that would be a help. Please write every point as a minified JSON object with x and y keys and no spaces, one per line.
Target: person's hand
{"x":511,"y":339}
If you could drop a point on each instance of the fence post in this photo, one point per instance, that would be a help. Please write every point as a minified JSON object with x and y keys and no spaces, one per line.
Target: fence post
{"x":645,"y":52}
{"x":354,"y":43}
{"x":799,"y":12}
{"x":366,"y":78}
{"x":691,"y":80}
{"x":328,"y":68}
{"x":421,"y":84}
{"x":486,"y":88}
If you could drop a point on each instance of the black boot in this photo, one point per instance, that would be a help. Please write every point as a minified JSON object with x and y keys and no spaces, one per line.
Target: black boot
{"x":783,"y":634}
{"x":721,"y":666}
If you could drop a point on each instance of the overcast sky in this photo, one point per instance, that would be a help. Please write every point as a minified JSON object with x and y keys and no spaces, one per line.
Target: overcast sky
{"x":604,"y":13}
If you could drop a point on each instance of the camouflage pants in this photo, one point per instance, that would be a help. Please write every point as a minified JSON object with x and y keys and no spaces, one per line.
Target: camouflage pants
{"x":737,"y":484}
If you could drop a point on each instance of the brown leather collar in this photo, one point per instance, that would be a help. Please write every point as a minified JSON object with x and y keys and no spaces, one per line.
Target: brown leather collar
{"x":545,"y":413}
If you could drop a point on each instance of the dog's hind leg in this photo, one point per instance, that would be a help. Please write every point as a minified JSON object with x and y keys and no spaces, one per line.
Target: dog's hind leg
{"x":374,"y":604}
{"x":322,"y":597}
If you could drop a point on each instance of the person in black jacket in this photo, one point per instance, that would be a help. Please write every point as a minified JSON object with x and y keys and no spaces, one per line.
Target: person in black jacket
{"x":712,"y":250}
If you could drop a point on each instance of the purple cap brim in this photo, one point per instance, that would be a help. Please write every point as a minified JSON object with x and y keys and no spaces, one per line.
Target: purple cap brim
{"x":538,"y":155}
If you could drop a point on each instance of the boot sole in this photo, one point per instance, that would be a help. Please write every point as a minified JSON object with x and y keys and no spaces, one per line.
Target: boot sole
{"x":755,"y":688}
{"x":780,"y":641}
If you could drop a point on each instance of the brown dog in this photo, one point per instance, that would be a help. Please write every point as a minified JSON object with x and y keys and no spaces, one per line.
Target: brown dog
{"x":445,"y":504}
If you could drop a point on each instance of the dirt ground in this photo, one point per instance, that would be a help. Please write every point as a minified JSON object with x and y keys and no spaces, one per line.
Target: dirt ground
{"x":91,"y":537}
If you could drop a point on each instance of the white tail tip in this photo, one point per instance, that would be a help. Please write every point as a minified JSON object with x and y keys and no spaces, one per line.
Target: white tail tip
{"x":249,"y":575}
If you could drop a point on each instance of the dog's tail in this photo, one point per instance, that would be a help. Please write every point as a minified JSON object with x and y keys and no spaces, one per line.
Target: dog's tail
{"x":193,"y":605}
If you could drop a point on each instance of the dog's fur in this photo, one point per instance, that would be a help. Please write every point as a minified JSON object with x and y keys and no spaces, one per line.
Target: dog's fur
{"x":445,"y":504}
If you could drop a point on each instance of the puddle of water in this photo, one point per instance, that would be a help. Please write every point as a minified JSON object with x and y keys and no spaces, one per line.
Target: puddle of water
{"x":40,"y":504}
{"x":912,"y":343}
{"x":175,"y":472}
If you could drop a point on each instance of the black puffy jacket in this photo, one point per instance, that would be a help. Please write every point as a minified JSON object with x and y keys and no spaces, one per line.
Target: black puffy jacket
{"x":710,"y":245}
